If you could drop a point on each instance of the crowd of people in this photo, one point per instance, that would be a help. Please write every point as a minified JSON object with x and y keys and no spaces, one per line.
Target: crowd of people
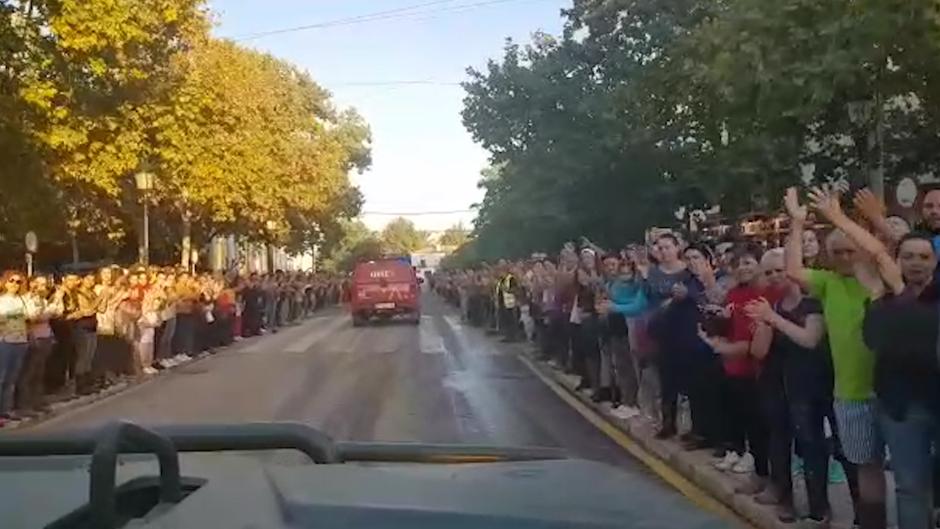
{"x":779,"y":350}
{"x":80,"y":333}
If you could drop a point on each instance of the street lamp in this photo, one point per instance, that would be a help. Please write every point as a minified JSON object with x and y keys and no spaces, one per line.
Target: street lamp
{"x":73,"y":224}
{"x":869,"y":114}
{"x":271,"y":227}
{"x":144,"y":181}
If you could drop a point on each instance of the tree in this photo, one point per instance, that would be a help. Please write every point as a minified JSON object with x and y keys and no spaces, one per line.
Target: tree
{"x":455,"y":236}
{"x":642,"y":106}
{"x":241,"y":143}
{"x":369,"y":248}
{"x":401,"y":237}
{"x":73,"y":75}
{"x":564,"y":161}
{"x":353,"y":240}
{"x":251,"y":145}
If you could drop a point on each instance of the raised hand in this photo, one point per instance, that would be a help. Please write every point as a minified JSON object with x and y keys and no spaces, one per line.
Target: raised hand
{"x":826,"y":203}
{"x":869,"y":204}
{"x":791,"y":200}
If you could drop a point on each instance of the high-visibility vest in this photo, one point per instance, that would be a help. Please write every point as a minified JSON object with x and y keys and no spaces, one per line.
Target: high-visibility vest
{"x":509,"y":299}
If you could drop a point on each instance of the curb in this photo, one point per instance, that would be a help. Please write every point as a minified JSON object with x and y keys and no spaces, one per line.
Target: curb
{"x":693,"y":466}
{"x":61,"y":408}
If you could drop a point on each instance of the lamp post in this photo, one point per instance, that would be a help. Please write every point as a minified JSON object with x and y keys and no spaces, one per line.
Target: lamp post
{"x":869,"y":114}
{"x":271,"y":227}
{"x":73,"y":224}
{"x":144,"y":180}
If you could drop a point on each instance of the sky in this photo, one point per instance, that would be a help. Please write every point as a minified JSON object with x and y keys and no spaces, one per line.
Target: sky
{"x":423,"y":160}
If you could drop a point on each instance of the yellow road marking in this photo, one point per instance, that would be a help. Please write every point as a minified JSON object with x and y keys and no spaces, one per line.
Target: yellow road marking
{"x":689,"y":489}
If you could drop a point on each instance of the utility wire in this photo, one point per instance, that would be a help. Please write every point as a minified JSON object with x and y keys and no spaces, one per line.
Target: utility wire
{"x":390,"y":14}
{"x":392,"y":83}
{"x":416,"y":213}
{"x":343,"y":21}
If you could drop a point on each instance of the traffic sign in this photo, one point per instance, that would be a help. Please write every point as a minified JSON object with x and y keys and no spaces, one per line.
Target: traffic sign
{"x":32,"y":242}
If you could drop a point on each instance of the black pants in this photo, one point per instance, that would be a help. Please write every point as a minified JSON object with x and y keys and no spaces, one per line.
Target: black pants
{"x":669,"y":376}
{"x":225,"y":329}
{"x":251,"y":322}
{"x":745,"y":424}
{"x":585,"y":351}
{"x":184,"y":339}
{"x":705,"y":382}
{"x":62,"y":360}
{"x":801,"y":420}
{"x":509,"y":323}
{"x":588,"y":351}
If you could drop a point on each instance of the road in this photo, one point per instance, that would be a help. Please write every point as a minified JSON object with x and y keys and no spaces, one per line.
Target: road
{"x":439,"y":382}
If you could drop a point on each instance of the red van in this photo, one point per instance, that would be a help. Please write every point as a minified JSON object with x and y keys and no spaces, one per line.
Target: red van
{"x":384,"y":288}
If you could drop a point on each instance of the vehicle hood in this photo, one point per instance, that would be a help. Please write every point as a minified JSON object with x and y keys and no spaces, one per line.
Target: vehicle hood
{"x":250,"y":491}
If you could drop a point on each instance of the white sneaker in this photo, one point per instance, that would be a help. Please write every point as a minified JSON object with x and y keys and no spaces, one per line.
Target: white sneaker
{"x":150,"y":371}
{"x":181,"y":358}
{"x":625,"y":412}
{"x":731,"y":458}
{"x":745,"y":464}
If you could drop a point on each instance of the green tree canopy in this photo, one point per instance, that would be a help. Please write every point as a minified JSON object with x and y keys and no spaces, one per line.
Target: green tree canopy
{"x":455,"y":235}
{"x":402,"y":238}
{"x":241,"y":143}
{"x":355,"y":240}
{"x":642,"y":106}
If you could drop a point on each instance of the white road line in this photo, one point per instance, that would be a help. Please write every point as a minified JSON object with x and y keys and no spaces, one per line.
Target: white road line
{"x":429,"y":340}
{"x":485,"y":348}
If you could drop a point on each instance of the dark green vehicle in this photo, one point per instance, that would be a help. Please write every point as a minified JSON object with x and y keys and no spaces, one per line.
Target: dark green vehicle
{"x":125,"y":475}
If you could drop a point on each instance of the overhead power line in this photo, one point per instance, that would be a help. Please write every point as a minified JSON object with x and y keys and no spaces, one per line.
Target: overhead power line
{"x":393,"y":83}
{"x":416,"y":213}
{"x":343,"y":21}
{"x":416,"y":10}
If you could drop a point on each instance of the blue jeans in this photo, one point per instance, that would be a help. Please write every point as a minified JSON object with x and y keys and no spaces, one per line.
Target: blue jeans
{"x":11,"y":362}
{"x":910,"y":440}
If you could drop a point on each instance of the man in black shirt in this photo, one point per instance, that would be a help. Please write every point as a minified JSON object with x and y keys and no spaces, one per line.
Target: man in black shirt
{"x":902,"y":329}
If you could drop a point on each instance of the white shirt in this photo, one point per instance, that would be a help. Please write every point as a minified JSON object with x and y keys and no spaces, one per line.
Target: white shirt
{"x":12,"y":319}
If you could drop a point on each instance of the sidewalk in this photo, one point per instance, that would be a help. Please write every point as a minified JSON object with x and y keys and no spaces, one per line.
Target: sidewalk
{"x":696,"y":466}
{"x":128,"y":383}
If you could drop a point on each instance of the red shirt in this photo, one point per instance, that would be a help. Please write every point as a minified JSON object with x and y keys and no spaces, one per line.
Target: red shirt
{"x":742,"y":327}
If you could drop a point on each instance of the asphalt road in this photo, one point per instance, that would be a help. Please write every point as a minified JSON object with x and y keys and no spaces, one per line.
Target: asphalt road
{"x":439,"y":382}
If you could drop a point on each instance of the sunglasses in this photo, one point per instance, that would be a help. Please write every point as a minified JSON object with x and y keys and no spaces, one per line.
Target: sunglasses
{"x":774,"y":271}
{"x":15,"y":281}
